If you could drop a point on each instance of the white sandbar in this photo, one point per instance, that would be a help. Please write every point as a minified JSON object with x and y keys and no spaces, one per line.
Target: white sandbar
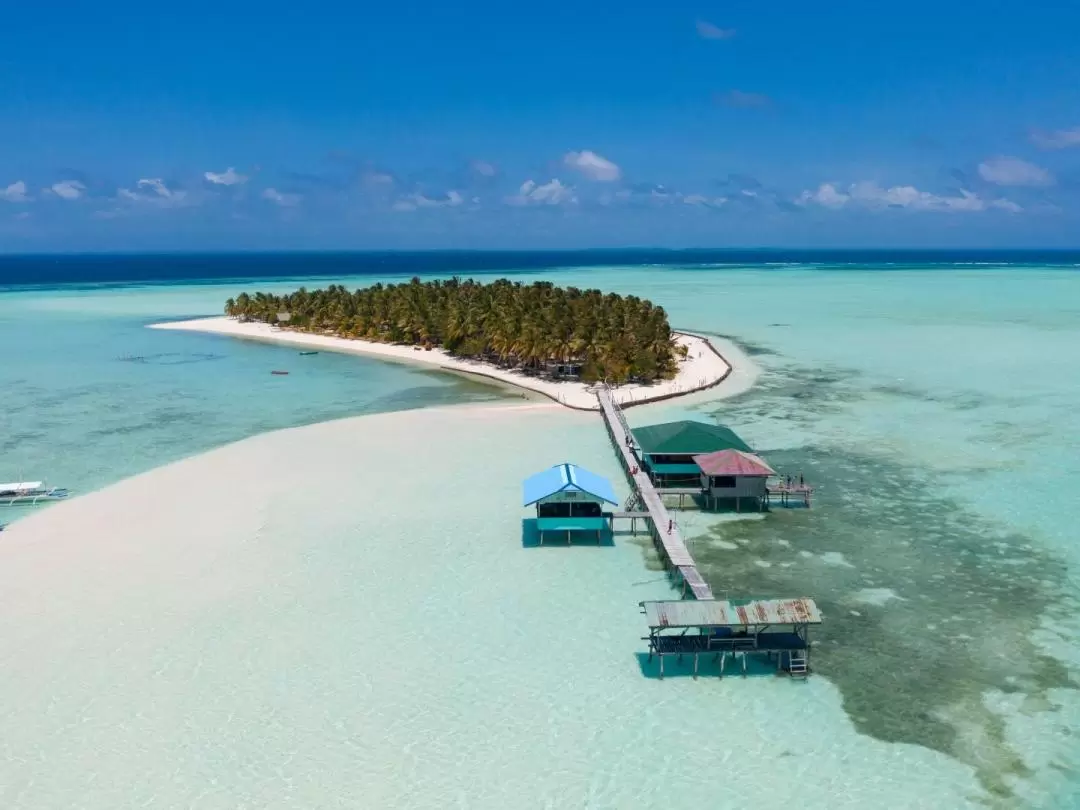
{"x":703,"y":367}
{"x":343,"y":616}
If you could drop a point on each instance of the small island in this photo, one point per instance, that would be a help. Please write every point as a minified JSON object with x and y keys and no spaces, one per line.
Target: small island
{"x":538,"y":329}
{"x":553,"y":341}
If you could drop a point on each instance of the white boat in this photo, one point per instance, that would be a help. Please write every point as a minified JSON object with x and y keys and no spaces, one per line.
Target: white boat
{"x":20,"y":493}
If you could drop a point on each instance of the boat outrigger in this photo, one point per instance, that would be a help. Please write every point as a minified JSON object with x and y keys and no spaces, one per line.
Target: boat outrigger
{"x":29,"y":493}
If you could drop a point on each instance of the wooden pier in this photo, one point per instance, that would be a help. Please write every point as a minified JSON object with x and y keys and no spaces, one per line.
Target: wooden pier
{"x":788,"y":492}
{"x":662,"y":527}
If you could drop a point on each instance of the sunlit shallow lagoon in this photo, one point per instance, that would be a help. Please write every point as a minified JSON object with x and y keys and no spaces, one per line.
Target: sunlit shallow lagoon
{"x":937,"y":411}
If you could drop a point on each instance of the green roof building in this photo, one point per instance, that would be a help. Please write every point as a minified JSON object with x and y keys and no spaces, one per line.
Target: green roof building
{"x":668,"y":450}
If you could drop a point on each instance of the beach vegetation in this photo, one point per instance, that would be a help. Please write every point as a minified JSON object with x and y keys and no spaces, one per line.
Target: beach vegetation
{"x":538,"y":328}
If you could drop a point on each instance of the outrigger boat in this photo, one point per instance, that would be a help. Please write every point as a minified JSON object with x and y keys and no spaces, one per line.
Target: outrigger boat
{"x":29,"y":493}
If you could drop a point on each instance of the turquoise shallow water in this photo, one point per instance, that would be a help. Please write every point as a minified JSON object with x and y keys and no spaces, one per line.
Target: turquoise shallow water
{"x":89,"y":396}
{"x":938,"y":412}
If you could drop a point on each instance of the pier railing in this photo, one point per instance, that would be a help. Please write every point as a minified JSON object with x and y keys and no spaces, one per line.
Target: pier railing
{"x":665,"y":533}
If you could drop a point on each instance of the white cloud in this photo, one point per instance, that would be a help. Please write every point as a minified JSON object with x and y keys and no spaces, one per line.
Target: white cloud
{"x":1057,"y":139}
{"x":451,"y":200}
{"x":826,"y":195}
{"x":641,"y":194}
{"x":152,"y":191}
{"x":1006,"y":205}
{"x":15,"y":193}
{"x":871,"y":195}
{"x":593,"y":166}
{"x":374,"y":178}
{"x":413,"y":201}
{"x":695,"y":199}
{"x":551,"y":193}
{"x":229,"y":177}
{"x":706,"y":30}
{"x":483,"y":168}
{"x":157,"y":185}
{"x":68,"y":189}
{"x":280,"y":198}
{"x":1012,"y":171}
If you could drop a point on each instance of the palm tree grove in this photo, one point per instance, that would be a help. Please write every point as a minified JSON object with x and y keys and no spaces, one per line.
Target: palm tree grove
{"x":538,"y":328}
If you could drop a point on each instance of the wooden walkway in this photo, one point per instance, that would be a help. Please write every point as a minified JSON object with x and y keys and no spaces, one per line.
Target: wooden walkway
{"x":663,"y":529}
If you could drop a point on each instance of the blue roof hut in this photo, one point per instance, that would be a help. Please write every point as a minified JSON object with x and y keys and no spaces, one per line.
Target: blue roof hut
{"x":569,"y":499}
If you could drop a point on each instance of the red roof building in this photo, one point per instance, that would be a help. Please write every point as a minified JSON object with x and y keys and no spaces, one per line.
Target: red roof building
{"x":733,"y":463}
{"x":734,"y":476}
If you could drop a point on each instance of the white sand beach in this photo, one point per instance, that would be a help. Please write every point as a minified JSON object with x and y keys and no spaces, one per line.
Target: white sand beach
{"x":344,"y":616}
{"x":703,"y":368}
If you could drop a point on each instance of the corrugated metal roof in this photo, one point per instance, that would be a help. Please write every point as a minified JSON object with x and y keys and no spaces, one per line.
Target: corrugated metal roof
{"x":733,"y":462}
{"x":687,"y":437}
{"x":722,"y":613}
{"x":563,"y":478}
{"x":592,"y":483}
{"x":544,"y":484}
{"x":779,"y":611}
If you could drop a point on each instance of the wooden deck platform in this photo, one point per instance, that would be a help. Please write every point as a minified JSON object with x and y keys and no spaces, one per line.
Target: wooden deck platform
{"x":661,"y":525}
{"x":798,"y":492}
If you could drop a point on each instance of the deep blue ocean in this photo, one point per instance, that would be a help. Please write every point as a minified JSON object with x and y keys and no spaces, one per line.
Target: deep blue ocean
{"x":107,"y":268}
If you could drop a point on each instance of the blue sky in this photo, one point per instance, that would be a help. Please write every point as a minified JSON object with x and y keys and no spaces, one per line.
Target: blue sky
{"x":484,"y":124}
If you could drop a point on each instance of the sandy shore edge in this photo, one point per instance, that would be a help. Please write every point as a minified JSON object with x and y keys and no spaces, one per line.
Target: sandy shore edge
{"x":704,"y":367}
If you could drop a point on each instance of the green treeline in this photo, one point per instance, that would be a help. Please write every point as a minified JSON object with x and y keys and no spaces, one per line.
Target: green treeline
{"x":539,"y":328}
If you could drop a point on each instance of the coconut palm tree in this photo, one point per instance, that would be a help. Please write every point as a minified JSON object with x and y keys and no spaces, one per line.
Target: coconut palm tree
{"x":538,"y":326}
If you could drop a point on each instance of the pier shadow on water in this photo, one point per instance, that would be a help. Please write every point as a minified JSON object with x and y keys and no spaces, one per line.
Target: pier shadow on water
{"x":757,"y":666}
{"x":530,"y":538}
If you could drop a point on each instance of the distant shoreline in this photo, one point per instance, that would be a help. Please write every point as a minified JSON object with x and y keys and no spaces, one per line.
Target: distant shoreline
{"x":703,"y":368}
